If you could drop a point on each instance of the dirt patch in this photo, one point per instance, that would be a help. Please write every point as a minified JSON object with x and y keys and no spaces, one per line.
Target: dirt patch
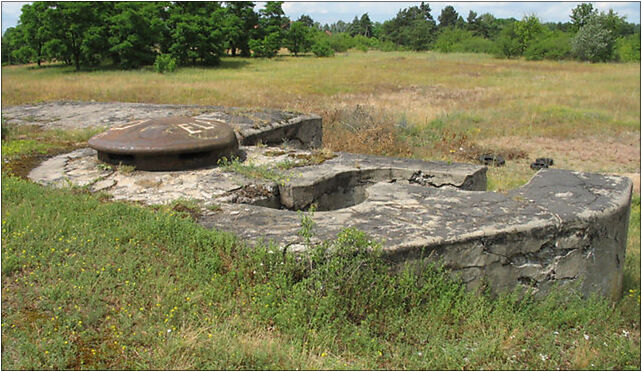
{"x":617,"y":154}
{"x":432,"y":99}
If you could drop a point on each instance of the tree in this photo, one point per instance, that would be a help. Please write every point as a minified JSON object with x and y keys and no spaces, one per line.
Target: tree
{"x":508,"y":42}
{"x":527,"y":30}
{"x":354,"y":28}
{"x":196,"y":32}
{"x":298,"y":38}
{"x":306,"y":20}
{"x":136,"y":30}
{"x":270,"y":30}
{"x":365,"y":25}
{"x":36,"y":30}
{"x":488,"y":26}
{"x":412,"y":27}
{"x":448,"y":17}
{"x":238,"y":25}
{"x":594,"y":42}
{"x":581,"y":14}
{"x":338,"y":27}
{"x":79,"y":31}
{"x":12,"y":41}
{"x":472,"y":22}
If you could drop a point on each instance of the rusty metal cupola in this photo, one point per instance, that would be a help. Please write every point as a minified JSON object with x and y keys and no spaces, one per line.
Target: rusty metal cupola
{"x":164,"y":144}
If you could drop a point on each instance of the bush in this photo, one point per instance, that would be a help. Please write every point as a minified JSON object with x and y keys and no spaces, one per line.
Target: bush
{"x":322,"y":48}
{"x":554,"y":47}
{"x":508,"y":44}
{"x":476,"y":44}
{"x":164,"y":63}
{"x":267,"y":47}
{"x":341,"y":42}
{"x":386,"y":46}
{"x":627,"y":49}
{"x":449,"y":37}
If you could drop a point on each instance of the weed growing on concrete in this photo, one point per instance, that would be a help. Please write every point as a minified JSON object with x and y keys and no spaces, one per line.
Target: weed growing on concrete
{"x":250,"y":170}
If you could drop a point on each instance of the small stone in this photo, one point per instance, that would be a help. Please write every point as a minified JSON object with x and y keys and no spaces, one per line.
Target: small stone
{"x":103,"y":184}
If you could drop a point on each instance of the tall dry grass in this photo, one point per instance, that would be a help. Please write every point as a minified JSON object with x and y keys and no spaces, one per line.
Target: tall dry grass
{"x":479,"y":98}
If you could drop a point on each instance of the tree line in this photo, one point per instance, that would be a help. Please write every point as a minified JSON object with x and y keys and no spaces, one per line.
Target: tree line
{"x":135,"y":34}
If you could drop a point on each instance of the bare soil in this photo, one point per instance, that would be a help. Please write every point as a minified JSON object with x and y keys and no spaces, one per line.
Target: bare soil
{"x":616,"y":155}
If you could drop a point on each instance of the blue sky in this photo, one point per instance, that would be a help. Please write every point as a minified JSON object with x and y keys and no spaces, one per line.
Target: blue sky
{"x":329,"y":12}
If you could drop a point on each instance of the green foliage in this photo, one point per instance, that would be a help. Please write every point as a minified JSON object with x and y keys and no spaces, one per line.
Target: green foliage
{"x":508,"y":44}
{"x":581,"y":14}
{"x":136,"y":30}
{"x":298,"y":38}
{"x":266,"y":47}
{"x":527,"y":30}
{"x":556,"y":46}
{"x":196,"y":32}
{"x":449,"y":37}
{"x":270,"y":33}
{"x":239,"y":25}
{"x":34,"y":20}
{"x":164,"y":63}
{"x":475,"y":44}
{"x":361,"y":26}
{"x":627,"y":49}
{"x":594,"y":42}
{"x":412,"y":27}
{"x":341,"y":42}
{"x":322,"y":48}
{"x":448,"y":17}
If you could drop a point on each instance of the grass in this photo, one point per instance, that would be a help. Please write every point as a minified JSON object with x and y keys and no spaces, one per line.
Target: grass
{"x":94,"y":284}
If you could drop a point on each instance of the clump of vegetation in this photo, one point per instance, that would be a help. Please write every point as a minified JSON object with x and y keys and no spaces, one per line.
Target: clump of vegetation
{"x":250,"y":170}
{"x":322,"y":48}
{"x":556,"y":46}
{"x":164,"y":63}
{"x":627,"y":49}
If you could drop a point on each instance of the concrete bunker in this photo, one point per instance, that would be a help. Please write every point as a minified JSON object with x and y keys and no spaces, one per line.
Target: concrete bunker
{"x":563,"y":228}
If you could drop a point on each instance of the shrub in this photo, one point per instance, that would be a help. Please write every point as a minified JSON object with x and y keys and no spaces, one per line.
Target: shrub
{"x":164,"y":63}
{"x":341,"y":42}
{"x":322,"y":48}
{"x":449,"y":37}
{"x":475,"y":44}
{"x":386,"y":46}
{"x":266,"y":47}
{"x":508,"y":44}
{"x":554,"y":47}
{"x":627,"y":49}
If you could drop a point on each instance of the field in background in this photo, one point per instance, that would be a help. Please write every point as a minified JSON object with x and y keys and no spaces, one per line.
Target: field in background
{"x":89,"y":284}
{"x":424,"y":105}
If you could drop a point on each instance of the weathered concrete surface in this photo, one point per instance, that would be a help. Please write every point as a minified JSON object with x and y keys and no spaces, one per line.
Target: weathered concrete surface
{"x":565,"y":228}
{"x":333,"y":184}
{"x":251,"y":126}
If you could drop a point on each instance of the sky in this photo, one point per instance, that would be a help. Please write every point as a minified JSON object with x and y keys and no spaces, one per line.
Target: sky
{"x":379,"y":11}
